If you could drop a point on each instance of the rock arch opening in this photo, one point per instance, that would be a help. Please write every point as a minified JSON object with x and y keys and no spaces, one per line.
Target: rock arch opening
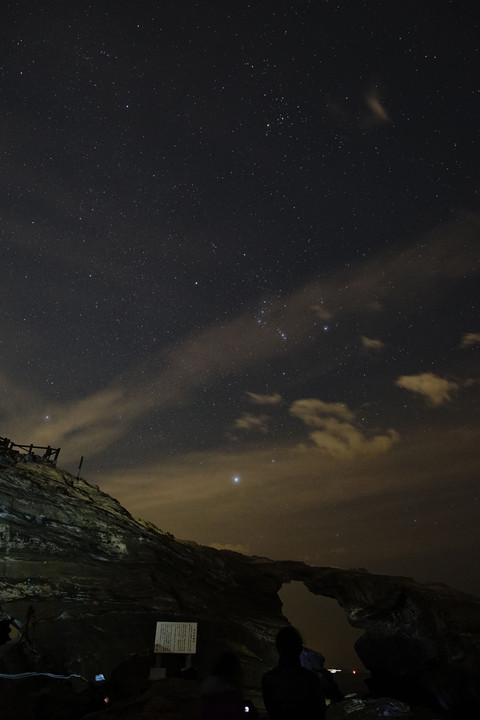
{"x":323,"y":624}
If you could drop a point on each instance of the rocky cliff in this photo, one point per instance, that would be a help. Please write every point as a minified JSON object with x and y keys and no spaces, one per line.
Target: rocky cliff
{"x":93,"y":581}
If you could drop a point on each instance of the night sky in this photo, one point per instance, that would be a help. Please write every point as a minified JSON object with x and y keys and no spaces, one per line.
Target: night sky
{"x":239,"y":263}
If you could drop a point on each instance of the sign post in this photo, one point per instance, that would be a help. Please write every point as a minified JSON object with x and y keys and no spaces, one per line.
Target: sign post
{"x":175,"y":638}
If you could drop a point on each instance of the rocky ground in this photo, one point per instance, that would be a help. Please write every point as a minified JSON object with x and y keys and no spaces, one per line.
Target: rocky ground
{"x":88,"y":582}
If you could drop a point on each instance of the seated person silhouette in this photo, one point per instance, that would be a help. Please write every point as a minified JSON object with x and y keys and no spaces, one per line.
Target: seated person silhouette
{"x":221,"y":693}
{"x":290,"y":690}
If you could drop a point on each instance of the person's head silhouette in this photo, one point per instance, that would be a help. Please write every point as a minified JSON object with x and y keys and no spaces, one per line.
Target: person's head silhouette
{"x":289,"y":644}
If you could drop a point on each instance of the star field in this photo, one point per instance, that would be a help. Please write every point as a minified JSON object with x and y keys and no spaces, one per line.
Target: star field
{"x":239,"y":269}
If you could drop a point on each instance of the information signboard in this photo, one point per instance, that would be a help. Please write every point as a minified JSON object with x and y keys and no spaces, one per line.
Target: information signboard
{"x":176,"y":637}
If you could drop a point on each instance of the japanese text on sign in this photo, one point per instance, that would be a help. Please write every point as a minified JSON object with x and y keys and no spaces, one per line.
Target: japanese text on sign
{"x":176,"y":637}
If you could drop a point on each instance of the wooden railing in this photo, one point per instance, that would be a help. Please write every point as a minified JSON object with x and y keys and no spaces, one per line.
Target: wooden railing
{"x":27,"y":453}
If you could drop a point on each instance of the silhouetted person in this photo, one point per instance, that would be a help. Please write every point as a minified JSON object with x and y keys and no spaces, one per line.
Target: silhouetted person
{"x":4,"y":630}
{"x":221,"y":694}
{"x":289,"y":690}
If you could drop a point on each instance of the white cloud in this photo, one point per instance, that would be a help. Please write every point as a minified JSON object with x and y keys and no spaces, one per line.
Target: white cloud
{"x":335,"y":432}
{"x":344,"y":440}
{"x":311,"y":411}
{"x":470,"y":339}
{"x":436,"y":389}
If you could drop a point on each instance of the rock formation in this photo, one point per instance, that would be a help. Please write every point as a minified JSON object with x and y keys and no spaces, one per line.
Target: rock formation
{"x":93,"y":581}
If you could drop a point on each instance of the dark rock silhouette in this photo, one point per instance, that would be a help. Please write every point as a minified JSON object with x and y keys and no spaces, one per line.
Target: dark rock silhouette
{"x":94,"y":581}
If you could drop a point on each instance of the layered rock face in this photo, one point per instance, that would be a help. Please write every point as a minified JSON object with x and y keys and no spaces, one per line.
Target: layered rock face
{"x":94,"y":581}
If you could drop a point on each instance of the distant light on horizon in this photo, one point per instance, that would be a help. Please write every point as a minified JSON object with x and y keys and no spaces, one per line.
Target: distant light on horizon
{"x":339,"y":670}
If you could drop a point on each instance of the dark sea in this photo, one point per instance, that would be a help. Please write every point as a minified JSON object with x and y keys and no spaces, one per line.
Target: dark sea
{"x":352,"y":683}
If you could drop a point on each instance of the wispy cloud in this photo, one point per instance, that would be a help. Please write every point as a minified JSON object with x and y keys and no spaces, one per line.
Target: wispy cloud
{"x":93,"y":422}
{"x":312,"y":411}
{"x":372,"y":344}
{"x":274,"y":399}
{"x":470,"y":339}
{"x":309,"y":490}
{"x":169,"y":378}
{"x":365,"y":111}
{"x":437,"y":390}
{"x":252,"y":422}
{"x":322,"y":312}
{"x":378,"y":113}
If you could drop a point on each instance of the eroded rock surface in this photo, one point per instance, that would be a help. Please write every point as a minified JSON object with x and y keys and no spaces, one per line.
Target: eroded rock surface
{"x":94,"y":581}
